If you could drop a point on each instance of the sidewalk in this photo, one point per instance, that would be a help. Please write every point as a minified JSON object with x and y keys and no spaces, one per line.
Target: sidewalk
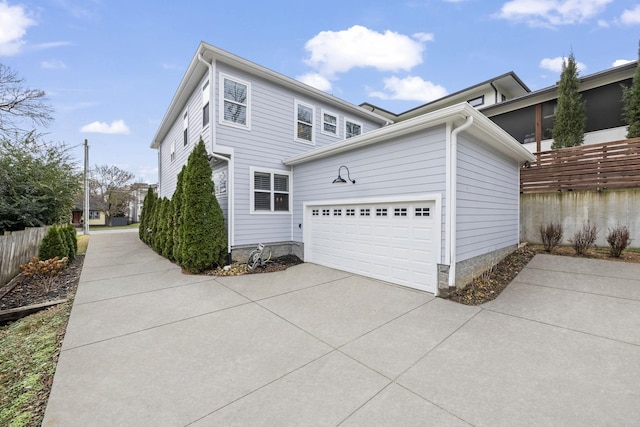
{"x":147,"y":345}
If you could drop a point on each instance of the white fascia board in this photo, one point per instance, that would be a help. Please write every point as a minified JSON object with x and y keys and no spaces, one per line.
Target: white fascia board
{"x":491,"y":133}
{"x":196,"y":71}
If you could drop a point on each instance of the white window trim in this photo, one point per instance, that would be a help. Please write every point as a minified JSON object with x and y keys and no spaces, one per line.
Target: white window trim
{"x":172,"y":151}
{"x":221,"y":119}
{"x":355,"y":122}
{"x":295,"y":123}
{"x":252,"y":171}
{"x":331,"y":113}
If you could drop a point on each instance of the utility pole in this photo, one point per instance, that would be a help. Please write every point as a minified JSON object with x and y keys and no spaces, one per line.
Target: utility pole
{"x":85,"y":227}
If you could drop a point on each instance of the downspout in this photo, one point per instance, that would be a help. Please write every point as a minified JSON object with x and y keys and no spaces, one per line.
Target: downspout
{"x":452,"y":198}
{"x":230,"y":175}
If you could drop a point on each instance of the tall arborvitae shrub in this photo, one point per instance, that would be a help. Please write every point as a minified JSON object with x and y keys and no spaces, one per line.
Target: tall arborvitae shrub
{"x":571,"y":116}
{"x":631,"y":98}
{"x":204,"y":237}
{"x":152,"y":223}
{"x":74,"y":237}
{"x":176,"y":205}
{"x":69,"y":241}
{"x":53,"y":245}
{"x":167,"y":249}
{"x":162,"y":228}
{"x":145,"y":215}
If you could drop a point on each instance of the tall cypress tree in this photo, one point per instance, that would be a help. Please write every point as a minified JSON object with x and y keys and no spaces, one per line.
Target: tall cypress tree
{"x":145,"y":215}
{"x":176,"y":220}
{"x":204,"y":239}
{"x":571,"y":117}
{"x":631,"y":98}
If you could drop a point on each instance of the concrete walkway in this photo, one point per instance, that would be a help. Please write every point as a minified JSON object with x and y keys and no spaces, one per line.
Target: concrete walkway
{"x":149,"y":346}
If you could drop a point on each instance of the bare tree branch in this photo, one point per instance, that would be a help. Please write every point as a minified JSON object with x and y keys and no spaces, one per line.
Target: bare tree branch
{"x":109,"y":186}
{"x":18,"y":103}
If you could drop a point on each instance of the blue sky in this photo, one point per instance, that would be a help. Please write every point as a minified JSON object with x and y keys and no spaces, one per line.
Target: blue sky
{"x":111,"y":67}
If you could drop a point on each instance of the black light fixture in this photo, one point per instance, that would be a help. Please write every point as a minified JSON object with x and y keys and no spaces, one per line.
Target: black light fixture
{"x":341,"y":180}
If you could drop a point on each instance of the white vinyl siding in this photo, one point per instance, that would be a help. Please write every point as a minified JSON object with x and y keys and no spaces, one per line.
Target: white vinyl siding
{"x":352,"y":128}
{"x":305,"y":114}
{"x":270,"y":191}
{"x":487,"y":203}
{"x":235,"y":102}
{"x":329,"y":123}
{"x":173,"y":151}
{"x":185,"y":129}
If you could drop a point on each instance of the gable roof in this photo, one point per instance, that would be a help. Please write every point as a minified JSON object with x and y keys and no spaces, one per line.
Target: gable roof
{"x":482,"y":127}
{"x":209,"y":53}
{"x":509,"y":83}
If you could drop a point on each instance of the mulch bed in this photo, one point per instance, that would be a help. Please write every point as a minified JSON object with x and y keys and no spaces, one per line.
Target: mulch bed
{"x":28,"y":291}
{"x":239,"y":268}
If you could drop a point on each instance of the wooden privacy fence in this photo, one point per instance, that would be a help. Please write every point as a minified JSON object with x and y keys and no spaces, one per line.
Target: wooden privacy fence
{"x":602,"y":166}
{"x":18,"y":247}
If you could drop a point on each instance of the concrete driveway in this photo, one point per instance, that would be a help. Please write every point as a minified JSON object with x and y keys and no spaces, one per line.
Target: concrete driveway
{"x":149,"y":346}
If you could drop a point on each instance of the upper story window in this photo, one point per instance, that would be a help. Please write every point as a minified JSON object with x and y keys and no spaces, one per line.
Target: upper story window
{"x":270,"y":191}
{"x":352,"y":129}
{"x":476,"y":102}
{"x":185,"y":129}
{"x":329,"y":123}
{"x":173,"y":151}
{"x":235,"y":101}
{"x":304,"y":122}
{"x":205,"y":104}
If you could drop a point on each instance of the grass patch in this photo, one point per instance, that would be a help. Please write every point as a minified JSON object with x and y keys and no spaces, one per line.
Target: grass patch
{"x":29,"y":350}
{"x":119,"y":227}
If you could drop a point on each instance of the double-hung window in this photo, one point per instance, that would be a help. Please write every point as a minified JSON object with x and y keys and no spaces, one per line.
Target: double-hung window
{"x":173,"y":151}
{"x":185,"y":129}
{"x":205,"y":104}
{"x":304,"y":122}
{"x":352,"y":129}
{"x":270,"y":191}
{"x":235,"y":100}
{"x":329,"y":123}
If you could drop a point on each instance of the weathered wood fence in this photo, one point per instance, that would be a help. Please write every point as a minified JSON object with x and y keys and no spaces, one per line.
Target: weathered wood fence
{"x":602,"y":166}
{"x":18,"y":247}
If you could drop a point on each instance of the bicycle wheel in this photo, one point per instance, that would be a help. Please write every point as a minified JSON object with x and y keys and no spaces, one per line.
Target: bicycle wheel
{"x":254,"y":260}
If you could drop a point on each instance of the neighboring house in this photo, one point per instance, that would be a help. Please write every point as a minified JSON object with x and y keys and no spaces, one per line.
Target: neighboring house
{"x":529,"y":118}
{"x":427,"y":201}
{"x":138,"y":193}
{"x":96,"y":216}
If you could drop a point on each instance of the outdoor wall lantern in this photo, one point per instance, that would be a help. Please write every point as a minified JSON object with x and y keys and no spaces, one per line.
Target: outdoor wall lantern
{"x":340,"y":180}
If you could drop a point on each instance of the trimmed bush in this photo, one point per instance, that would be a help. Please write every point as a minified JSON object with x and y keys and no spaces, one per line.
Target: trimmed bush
{"x":69,"y":241}
{"x":53,"y":245}
{"x":74,"y":237}
{"x":618,"y":240}
{"x":583,"y":239}
{"x":145,"y":215}
{"x":204,"y":239}
{"x":551,"y":235}
{"x":162,"y":228}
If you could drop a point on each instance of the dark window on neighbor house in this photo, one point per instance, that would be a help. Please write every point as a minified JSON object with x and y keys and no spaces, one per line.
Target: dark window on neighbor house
{"x":548,"y":118}
{"x":185,"y":129}
{"x":605,"y":106}
{"x":520,"y":124}
{"x":94,"y":214}
{"x":476,"y":102}
{"x":205,"y":104}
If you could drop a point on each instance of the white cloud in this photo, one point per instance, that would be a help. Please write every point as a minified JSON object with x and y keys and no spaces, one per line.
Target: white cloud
{"x":631,"y":17}
{"x":53,"y":64}
{"x":619,"y":62}
{"x":410,"y":88}
{"x":13,"y":26}
{"x":50,"y":45}
{"x":166,"y":66}
{"x":423,"y":37}
{"x":315,"y":80}
{"x":116,"y":127}
{"x":332,"y":52}
{"x":551,"y":12}
{"x":555,"y":64}
{"x":147,"y":174}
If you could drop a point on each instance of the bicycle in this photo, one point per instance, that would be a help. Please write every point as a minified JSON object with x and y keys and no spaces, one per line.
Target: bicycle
{"x":259,"y":257}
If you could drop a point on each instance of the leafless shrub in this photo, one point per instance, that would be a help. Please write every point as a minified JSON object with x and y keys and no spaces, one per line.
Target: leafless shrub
{"x":45,"y":271}
{"x":618,"y":240}
{"x":583,"y":239}
{"x":551,"y":235}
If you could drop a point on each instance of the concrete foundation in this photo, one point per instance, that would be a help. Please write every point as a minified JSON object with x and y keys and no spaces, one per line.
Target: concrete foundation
{"x":606,"y":209}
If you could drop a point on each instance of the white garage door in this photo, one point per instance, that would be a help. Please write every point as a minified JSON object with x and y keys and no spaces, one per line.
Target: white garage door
{"x":395,"y":242}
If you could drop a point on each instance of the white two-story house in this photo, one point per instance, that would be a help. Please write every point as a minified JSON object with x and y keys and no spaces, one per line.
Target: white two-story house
{"x":424,"y":202}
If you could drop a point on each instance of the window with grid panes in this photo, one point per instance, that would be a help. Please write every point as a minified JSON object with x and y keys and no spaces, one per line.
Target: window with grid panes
{"x":235,"y":102}
{"x":270,"y":192}
{"x":304,"y":122}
